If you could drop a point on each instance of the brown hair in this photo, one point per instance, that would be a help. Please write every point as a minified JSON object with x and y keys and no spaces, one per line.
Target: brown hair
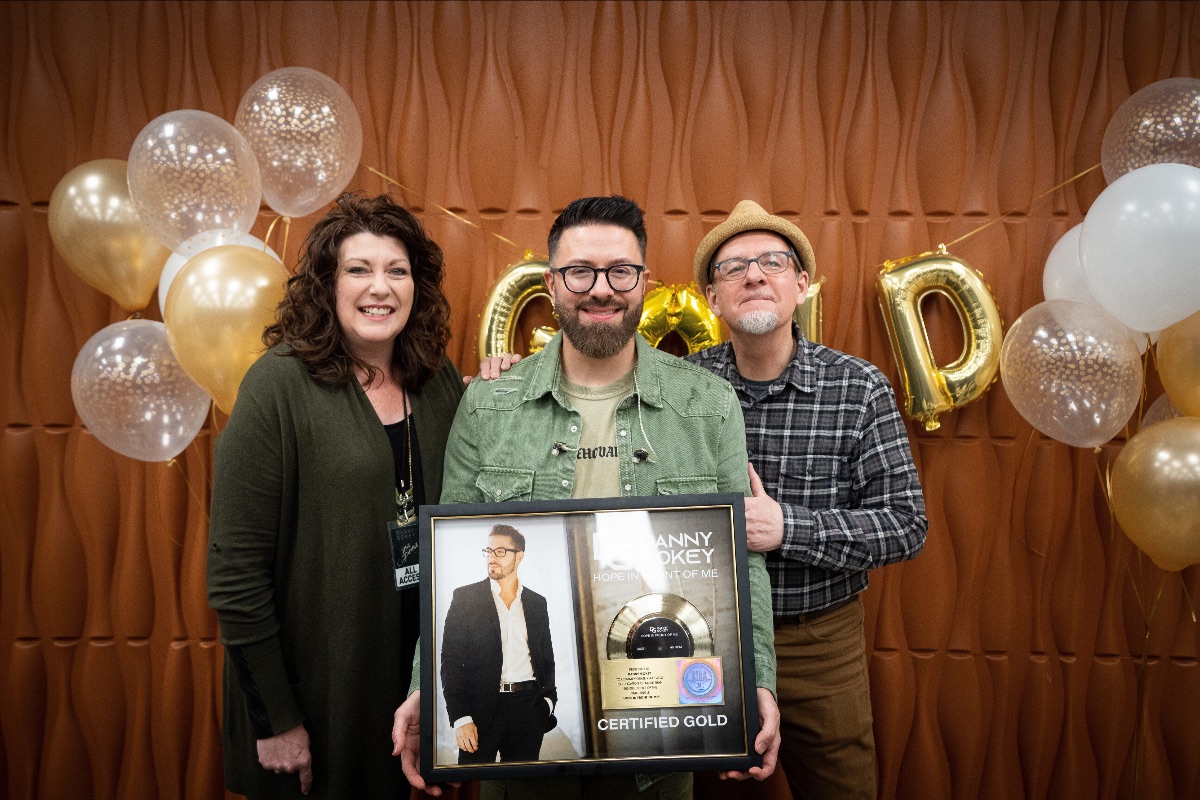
{"x":306,"y":319}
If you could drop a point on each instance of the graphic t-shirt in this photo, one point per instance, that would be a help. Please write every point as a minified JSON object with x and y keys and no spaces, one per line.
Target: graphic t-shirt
{"x":597,"y":466}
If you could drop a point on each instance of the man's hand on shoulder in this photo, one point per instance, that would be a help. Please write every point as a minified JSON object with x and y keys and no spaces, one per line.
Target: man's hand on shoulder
{"x":491,"y":367}
{"x":764,"y":518}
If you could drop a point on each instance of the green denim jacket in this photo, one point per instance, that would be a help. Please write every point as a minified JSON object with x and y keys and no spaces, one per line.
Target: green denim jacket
{"x":681,"y":432}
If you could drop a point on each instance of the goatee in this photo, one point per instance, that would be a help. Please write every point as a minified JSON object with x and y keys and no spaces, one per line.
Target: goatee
{"x":758,"y":322}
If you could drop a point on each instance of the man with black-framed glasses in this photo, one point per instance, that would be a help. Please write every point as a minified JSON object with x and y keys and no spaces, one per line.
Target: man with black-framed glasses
{"x":498,"y":660}
{"x":835,"y":492}
{"x":600,"y":413}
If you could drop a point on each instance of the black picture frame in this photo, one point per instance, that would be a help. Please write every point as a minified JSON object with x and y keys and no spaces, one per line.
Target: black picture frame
{"x":667,"y":684}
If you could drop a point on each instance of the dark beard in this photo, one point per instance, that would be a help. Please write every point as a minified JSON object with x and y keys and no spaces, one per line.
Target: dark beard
{"x":600,"y":341}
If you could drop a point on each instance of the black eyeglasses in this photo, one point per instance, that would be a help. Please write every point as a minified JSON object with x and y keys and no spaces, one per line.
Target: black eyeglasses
{"x":621,"y":277}
{"x":732,"y":269}
{"x":499,"y":552}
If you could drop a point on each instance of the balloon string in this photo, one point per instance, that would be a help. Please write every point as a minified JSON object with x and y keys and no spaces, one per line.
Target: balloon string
{"x":1188,"y":596}
{"x":270,"y":230}
{"x":448,"y":212}
{"x":1141,"y":407}
{"x":1002,"y":217}
{"x":174,"y":462}
{"x":1141,"y":689}
{"x":1105,"y":476}
{"x":287,"y":229}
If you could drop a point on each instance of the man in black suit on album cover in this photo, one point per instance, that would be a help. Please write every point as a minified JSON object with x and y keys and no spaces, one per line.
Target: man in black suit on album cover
{"x":498,"y":660}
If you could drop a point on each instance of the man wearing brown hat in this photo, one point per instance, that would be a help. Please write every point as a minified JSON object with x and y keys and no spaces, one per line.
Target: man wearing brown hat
{"x":835,"y":492}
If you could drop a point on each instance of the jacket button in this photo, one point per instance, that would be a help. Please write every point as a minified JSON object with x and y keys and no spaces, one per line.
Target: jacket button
{"x":497,"y":493}
{"x":566,"y":482}
{"x":628,"y":487}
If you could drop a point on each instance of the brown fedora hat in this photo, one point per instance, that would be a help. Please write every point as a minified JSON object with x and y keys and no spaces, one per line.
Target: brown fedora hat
{"x":750,"y":216}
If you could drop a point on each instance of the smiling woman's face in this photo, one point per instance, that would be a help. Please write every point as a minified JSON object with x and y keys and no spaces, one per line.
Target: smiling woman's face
{"x":374,"y":294}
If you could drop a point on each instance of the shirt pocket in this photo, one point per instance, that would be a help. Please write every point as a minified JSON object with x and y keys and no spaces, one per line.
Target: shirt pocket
{"x":811,"y":481}
{"x":700,"y":484}
{"x":500,"y":484}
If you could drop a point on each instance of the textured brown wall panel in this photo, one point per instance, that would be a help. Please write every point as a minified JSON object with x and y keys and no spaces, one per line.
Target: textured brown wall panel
{"x":1030,"y":651}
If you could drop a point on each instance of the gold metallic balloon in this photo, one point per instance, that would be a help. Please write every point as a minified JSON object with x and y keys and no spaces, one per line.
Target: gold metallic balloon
{"x":217,"y":308}
{"x":808,"y":316}
{"x":97,"y":231}
{"x":1179,"y":364}
{"x":519,"y":284}
{"x":1156,"y":492}
{"x":682,"y":309}
{"x":930,"y":390}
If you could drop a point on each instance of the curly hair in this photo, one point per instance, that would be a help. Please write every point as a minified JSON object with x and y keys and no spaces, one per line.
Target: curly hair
{"x":306,"y":319}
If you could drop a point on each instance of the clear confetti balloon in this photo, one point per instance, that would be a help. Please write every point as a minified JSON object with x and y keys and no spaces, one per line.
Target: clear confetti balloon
{"x":132,"y":394}
{"x":306,"y":133}
{"x":1157,"y":124}
{"x":1072,"y":371}
{"x":191,"y":172}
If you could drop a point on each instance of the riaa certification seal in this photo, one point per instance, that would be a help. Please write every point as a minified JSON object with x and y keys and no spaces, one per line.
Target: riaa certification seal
{"x":700,"y":681}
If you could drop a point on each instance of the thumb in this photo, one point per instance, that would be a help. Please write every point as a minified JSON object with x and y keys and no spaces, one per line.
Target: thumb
{"x":756,"y":487}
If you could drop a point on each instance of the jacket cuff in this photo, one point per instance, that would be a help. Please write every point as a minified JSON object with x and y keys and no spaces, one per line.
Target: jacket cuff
{"x":266,"y":686}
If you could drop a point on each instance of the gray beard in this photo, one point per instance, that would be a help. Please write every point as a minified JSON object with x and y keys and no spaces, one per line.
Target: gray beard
{"x":758,"y":322}
{"x":600,"y":341}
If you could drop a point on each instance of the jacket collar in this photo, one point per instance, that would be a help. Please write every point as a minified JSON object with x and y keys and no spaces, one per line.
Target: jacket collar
{"x":547,"y":376}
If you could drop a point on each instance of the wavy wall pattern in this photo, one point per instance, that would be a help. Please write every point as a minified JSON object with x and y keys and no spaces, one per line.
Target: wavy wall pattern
{"x":1016,"y":657}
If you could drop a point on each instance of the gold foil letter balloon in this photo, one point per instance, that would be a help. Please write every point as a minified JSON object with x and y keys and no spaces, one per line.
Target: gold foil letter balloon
{"x":191,"y":172}
{"x":681,"y":309}
{"x":97,"y":231}
{"x":930,"y":390}
{"x":217,"y":308}
{"x":306,"y":133}
{"x":1072,"y":371}
{"x":1156,"y":492}
{"x":516,"y":287}
{"x":133,"y":395}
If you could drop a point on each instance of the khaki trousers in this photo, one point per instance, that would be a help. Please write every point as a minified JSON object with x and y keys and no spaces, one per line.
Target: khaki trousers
{"x":828,"y":744}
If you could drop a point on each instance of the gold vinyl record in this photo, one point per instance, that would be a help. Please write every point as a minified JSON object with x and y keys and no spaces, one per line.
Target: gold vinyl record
{"x":659,"y":625}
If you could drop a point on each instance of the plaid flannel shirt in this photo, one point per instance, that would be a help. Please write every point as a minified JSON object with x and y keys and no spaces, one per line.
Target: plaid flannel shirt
{"x":830,"y":447}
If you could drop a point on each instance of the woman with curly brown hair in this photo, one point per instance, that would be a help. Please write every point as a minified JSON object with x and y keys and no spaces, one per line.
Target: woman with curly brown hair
{"x":336,"y":437}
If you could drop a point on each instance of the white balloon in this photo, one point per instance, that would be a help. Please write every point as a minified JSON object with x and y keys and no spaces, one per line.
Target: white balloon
{"x":1139,"y":246}
{"x":198,"y":244}
{"x":1063,"y":279}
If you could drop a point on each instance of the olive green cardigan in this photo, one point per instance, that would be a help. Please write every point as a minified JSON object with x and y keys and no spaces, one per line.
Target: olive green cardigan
{"x":300,"y":573}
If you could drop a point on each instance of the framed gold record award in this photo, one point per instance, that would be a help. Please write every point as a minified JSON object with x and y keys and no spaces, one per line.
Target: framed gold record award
{"x":586,"y":636}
